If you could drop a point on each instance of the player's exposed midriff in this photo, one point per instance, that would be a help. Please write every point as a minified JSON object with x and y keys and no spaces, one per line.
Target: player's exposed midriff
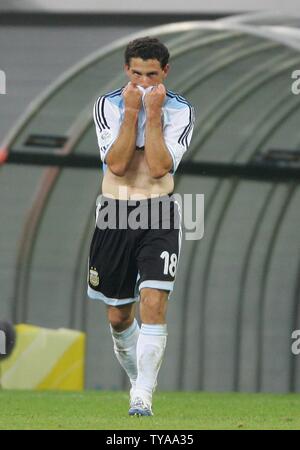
{"x":137,"y":180}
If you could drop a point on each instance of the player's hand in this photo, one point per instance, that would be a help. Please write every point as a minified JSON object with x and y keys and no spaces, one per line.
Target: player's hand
{"x":154,"y":99}
{"x":132,"y":97}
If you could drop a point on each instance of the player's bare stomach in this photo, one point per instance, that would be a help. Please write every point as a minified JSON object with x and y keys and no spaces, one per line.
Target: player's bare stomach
{"x":137,"y":182}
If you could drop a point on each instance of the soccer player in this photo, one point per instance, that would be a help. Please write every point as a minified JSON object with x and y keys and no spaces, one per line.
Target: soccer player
{"x":143,"y":130}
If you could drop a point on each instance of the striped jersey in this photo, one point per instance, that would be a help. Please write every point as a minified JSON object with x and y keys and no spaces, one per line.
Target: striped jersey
{"x":178,"y":119}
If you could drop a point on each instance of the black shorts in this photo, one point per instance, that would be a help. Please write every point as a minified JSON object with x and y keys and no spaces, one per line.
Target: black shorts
{"x":135,"y":244}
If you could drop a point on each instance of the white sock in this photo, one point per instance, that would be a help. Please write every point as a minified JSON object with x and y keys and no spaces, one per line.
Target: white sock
{"x":150,"y":350}
{"x":125,"y":343}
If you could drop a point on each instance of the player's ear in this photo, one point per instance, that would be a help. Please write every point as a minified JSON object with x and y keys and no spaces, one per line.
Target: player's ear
{"x":126,"y":69}
{"x":166,"y":70}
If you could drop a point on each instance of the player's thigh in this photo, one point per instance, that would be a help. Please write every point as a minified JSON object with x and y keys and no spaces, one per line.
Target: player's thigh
{"x":112,"y":266}
{"x":159,"y":250}
{"x":157,"y":259}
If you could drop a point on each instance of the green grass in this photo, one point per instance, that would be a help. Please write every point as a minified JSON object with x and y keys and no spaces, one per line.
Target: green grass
{"x":172,"y":410}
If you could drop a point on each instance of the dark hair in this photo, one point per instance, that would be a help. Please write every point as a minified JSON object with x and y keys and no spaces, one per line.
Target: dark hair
{"x":147,"y":48}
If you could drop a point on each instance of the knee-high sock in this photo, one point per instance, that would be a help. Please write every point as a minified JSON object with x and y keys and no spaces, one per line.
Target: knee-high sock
{"x":125,"y":343}
{"x":150,"y":350}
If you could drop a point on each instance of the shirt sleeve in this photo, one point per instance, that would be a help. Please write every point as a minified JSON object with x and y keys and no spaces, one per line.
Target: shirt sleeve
{"x":107,"y":122}
{"x":178,"y":133}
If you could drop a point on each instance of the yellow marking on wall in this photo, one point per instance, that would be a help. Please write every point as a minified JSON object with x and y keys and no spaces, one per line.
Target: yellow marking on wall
{"x":68,"y":372}
{"x":45,"y":359}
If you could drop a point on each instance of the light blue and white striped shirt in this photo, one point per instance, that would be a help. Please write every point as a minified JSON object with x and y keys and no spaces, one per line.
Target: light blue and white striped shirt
{"x":177,"y":115}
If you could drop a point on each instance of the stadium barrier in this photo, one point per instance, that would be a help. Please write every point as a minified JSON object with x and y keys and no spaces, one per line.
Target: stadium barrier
{"x":45,"y":359}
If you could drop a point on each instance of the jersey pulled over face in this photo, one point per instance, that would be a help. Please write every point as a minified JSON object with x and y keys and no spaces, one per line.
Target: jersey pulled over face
{"x":177,"y":113}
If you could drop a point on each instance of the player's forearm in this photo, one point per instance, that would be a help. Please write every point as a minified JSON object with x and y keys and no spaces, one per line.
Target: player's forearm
{"x":122,"y":150}
{"x":156,"y":153}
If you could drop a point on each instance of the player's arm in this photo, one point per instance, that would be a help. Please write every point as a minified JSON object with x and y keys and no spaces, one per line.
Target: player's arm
{"x":178,"y":132}
{"x":117,"y":140}
{"x":157,"y":155}
{"x":173,"y":140}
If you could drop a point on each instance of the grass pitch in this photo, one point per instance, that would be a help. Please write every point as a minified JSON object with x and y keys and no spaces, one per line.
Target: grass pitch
{"x":104,"y":410}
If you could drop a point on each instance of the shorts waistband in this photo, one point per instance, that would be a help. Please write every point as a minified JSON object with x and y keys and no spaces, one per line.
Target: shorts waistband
{"x":136,"y":202}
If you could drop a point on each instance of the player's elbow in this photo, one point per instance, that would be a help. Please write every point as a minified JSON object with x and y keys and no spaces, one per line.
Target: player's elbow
{"x":118,"y":169}
{"x":116,"y":166}
{"x":159,"y":172}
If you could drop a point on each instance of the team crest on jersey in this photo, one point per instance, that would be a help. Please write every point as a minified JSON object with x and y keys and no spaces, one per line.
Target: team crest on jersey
{"x":105,"y":137}
{"x":94,"y":277}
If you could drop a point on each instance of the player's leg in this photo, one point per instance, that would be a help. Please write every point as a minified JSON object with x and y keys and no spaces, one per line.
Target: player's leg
{"x":157,"y":258}
{"x":150,"y":346}
{"x":125,"y":332}
{"x":112,"y":279}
